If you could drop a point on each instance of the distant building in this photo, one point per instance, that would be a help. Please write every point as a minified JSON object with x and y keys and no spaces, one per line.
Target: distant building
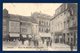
{"x":64,"y":24}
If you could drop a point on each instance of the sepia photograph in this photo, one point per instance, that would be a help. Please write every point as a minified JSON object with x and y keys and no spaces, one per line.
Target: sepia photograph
{"x":40,"y":27}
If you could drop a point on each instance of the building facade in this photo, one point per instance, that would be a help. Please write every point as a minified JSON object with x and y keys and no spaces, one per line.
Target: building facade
{"x":64,"y":24}
{"x":43,"y":21}
{"x":15,"y":26}
{"x":5,"y":23}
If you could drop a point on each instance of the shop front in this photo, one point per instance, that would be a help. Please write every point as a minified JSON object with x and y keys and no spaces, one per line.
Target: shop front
{"x":14,"y":36}
{"x":46,"y":39}
{"x":59,"y":37}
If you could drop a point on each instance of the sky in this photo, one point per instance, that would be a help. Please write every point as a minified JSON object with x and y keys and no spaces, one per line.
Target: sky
{"x":26,"y":9}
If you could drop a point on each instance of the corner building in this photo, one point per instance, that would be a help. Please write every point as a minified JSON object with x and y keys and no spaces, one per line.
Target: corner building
{"x":64,"y":24}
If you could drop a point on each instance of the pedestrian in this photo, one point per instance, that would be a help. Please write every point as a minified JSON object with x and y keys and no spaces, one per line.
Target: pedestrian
{"x":23,"y":41}
{"x":47,"y":43}
{"x":29,"y":41}
{"x":37,"y":42}
{"x":50,"y":42}
{"x":71,"y":46}
{"x":34,"y":42}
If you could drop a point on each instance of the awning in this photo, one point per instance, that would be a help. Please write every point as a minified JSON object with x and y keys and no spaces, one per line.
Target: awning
{"x":30,"y":36}
{"x":14,"y":35}
{"x":45,"y":35}
{"x":24,"y":36}
{"x":58,"y":33}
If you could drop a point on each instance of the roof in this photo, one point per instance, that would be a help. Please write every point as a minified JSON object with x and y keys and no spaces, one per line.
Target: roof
{"x":22,"y":18}
{"x":41,"y":15}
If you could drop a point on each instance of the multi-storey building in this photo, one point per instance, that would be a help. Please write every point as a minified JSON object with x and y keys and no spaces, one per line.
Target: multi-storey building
{"x":64,"y":24}
{"x":16,"y":25}
{"x":5,"y":23}
{"x":43,"y":21}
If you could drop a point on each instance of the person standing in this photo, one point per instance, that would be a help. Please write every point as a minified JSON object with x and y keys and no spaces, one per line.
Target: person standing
{"x":47,"y":42}
{"x":51,"y":42}
{"x":23,"y":41}
{"x":71,"y":46}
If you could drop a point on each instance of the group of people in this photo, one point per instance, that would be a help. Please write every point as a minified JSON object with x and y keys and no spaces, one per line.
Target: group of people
{"x":36,"y":42}
{"x":49,"y":43}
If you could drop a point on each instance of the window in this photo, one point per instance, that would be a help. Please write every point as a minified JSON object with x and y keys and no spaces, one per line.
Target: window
{"x":14,"y":26}
{"x":39,"y":29}
{"x":71,"y":33}
{"x":39,"y":22}
{"x":67,"y":21}
{"x":64,"y":34}
{"x":72,"y":18}
{"x":64,"y":24}
{"x":71,"y":39}
{"x":68,"y":34}
{"x":47,"y":23}
{"x":23,"y":30}
{"x":47,"y":30}
{"x":42,"y":23}
{"x":23,"y":23}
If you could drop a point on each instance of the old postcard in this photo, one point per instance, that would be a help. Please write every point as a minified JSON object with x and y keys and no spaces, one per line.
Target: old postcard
{"x":39,"y":27}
